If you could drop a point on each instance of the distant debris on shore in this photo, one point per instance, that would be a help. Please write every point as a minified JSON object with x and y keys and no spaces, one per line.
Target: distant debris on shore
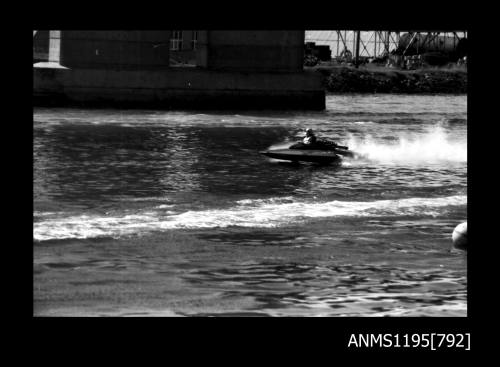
{"x":345,"y":79}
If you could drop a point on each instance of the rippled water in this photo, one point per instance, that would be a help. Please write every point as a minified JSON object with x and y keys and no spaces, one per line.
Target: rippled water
{"x":154,"y":212}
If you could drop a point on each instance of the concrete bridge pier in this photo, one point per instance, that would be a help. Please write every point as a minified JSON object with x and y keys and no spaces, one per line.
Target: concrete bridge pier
{"x":235,"y":70}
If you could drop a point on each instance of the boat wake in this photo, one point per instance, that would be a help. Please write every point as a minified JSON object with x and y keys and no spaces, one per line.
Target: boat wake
{"x":273,"y":212}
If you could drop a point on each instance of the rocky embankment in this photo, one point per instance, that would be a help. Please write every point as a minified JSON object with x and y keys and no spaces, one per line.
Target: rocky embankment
{"x":352,"y":80}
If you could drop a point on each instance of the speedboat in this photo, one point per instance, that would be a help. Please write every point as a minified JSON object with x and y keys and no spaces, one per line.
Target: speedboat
{"x":323,"y":151}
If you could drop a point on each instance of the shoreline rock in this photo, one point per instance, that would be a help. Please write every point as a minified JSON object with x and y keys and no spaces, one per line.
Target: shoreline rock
{"x":346,"y":79}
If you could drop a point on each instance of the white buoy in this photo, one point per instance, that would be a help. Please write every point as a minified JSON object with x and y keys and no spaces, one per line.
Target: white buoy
{"x":459,"y":236}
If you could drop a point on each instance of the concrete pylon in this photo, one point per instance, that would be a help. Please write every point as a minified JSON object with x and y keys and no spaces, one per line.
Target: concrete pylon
{"x":55,"y":47}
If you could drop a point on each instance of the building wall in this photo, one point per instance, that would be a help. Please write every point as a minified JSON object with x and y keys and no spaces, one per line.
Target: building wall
{"x":115,"y":49}
{"x":277,"y":51}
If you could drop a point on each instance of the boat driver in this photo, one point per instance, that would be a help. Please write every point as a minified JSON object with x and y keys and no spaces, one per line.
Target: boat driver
{"x":310,"y":138}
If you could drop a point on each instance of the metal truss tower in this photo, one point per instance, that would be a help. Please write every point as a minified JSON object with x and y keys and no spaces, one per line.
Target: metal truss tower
{"x":373,"y":43}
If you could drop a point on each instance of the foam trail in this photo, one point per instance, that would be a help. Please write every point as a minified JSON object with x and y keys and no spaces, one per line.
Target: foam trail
{"x":272,"y":212}
{"x":434,"y":146}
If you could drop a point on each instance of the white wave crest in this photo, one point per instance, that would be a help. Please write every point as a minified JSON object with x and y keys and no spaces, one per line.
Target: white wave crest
{"x":247,"y":213}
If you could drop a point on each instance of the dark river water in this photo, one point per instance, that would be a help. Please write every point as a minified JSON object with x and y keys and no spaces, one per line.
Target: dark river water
{"x":177,"y":213}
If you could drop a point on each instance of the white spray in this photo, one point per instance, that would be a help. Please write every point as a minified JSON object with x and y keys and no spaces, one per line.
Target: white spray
{"x":434,"y":146}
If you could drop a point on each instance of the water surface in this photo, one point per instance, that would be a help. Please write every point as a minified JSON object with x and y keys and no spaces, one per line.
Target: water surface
{"x":157,"y":212}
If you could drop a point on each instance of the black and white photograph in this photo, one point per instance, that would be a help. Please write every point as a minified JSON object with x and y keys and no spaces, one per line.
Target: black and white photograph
{"x":242,"y":173}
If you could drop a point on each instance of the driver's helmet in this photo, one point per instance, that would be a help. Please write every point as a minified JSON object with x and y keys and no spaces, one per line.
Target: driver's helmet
{"x":309,"y":132}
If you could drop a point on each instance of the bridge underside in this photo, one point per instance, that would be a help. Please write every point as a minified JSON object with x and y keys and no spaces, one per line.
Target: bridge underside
{"x":177,"y":88}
